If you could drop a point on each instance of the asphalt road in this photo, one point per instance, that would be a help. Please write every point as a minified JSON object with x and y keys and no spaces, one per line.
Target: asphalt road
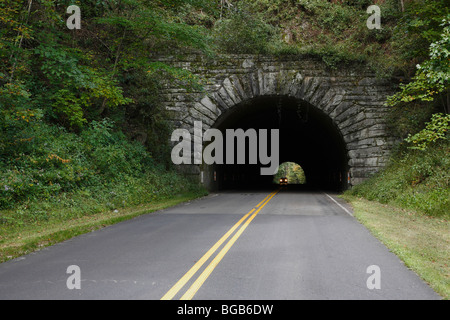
{"x":228,"y":246}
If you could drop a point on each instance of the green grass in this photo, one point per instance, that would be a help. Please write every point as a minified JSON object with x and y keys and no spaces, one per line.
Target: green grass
{"x":20,"y":239}
{"x":415,"y":180}
{"x":421,"y":241}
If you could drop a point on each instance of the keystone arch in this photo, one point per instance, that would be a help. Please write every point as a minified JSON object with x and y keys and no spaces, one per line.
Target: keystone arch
{"x":348,"y":103}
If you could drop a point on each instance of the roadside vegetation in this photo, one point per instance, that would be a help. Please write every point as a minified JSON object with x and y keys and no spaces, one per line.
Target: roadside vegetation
{"x":418,"y":176}
{"x":83,"y":137}
{"x":62,"y":223}
{"x":420,"y":241}
{"x":407,"y":205}
{"x":414,"y":180}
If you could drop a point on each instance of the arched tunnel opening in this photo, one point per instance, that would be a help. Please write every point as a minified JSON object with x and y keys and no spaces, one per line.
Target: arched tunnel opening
{"x":289,"y":173}
{"x":307,"y":136}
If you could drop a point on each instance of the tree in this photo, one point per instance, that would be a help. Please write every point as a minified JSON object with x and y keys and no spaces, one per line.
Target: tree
{"x":430,"y":82}
{"x":432,"y":76}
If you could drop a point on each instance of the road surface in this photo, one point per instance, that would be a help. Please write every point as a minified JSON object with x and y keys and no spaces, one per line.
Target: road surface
{"x":246,"y":245}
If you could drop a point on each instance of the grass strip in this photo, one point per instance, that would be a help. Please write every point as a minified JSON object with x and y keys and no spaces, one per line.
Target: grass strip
{"x":20,"y":240}
{"x":420,"y":241}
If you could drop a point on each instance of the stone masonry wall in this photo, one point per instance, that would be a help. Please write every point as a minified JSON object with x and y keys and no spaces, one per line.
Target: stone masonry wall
{"x":350,"y":95}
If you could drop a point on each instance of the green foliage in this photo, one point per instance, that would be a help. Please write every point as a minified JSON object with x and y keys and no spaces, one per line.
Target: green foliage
{"x":436,"y":129}
{"x":243,"y":32}
{"x":18,"y":117}
{"x":410,"y":118}
{"x":334,"y":55}
{"x":58,"y":88}
{"x":432,"y":77}
{"x":14,"y":31}
{"x":152,"y":25}
{"x":414,"y":180}
{"x":431,"y":81}
{"x":83,"y":90}
{"x":414,"y":30}
{"x":334,"y":31}
{"x":423,"y":19}
{"x":181,"y":77}
{"x":99,"y":160}
{"x":329,"y":15}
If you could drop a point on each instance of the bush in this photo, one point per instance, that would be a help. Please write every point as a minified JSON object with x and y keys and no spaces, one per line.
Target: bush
{"x":99,"y":164}
{"x":414,"y":180}
{"x":243,"y":32}
{"x":435,"y":130}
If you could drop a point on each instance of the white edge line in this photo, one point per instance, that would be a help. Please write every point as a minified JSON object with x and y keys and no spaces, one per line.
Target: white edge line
{"x":343,"y":208}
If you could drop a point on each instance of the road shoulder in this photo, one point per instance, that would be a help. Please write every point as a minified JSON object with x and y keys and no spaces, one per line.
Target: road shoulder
{"x":420,"y":241}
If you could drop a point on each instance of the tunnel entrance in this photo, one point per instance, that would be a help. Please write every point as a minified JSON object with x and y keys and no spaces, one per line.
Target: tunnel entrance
{"x":289,"y":173}
{"x":308,"y":137}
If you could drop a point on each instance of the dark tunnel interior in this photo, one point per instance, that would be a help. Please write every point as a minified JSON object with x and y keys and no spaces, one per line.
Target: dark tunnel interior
{"x":308,"y":137}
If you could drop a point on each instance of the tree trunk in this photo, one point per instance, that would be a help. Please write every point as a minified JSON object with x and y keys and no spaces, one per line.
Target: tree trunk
{"x":30,"y":2}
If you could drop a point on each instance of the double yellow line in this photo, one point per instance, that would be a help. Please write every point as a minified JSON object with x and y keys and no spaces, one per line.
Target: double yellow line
{"x":206,"y":273}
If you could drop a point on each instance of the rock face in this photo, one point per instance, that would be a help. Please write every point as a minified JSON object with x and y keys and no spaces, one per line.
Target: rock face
{"x":351,"y":96}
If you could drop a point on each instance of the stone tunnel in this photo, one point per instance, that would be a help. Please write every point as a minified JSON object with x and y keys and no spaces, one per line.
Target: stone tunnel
{"x":332,"y":122}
